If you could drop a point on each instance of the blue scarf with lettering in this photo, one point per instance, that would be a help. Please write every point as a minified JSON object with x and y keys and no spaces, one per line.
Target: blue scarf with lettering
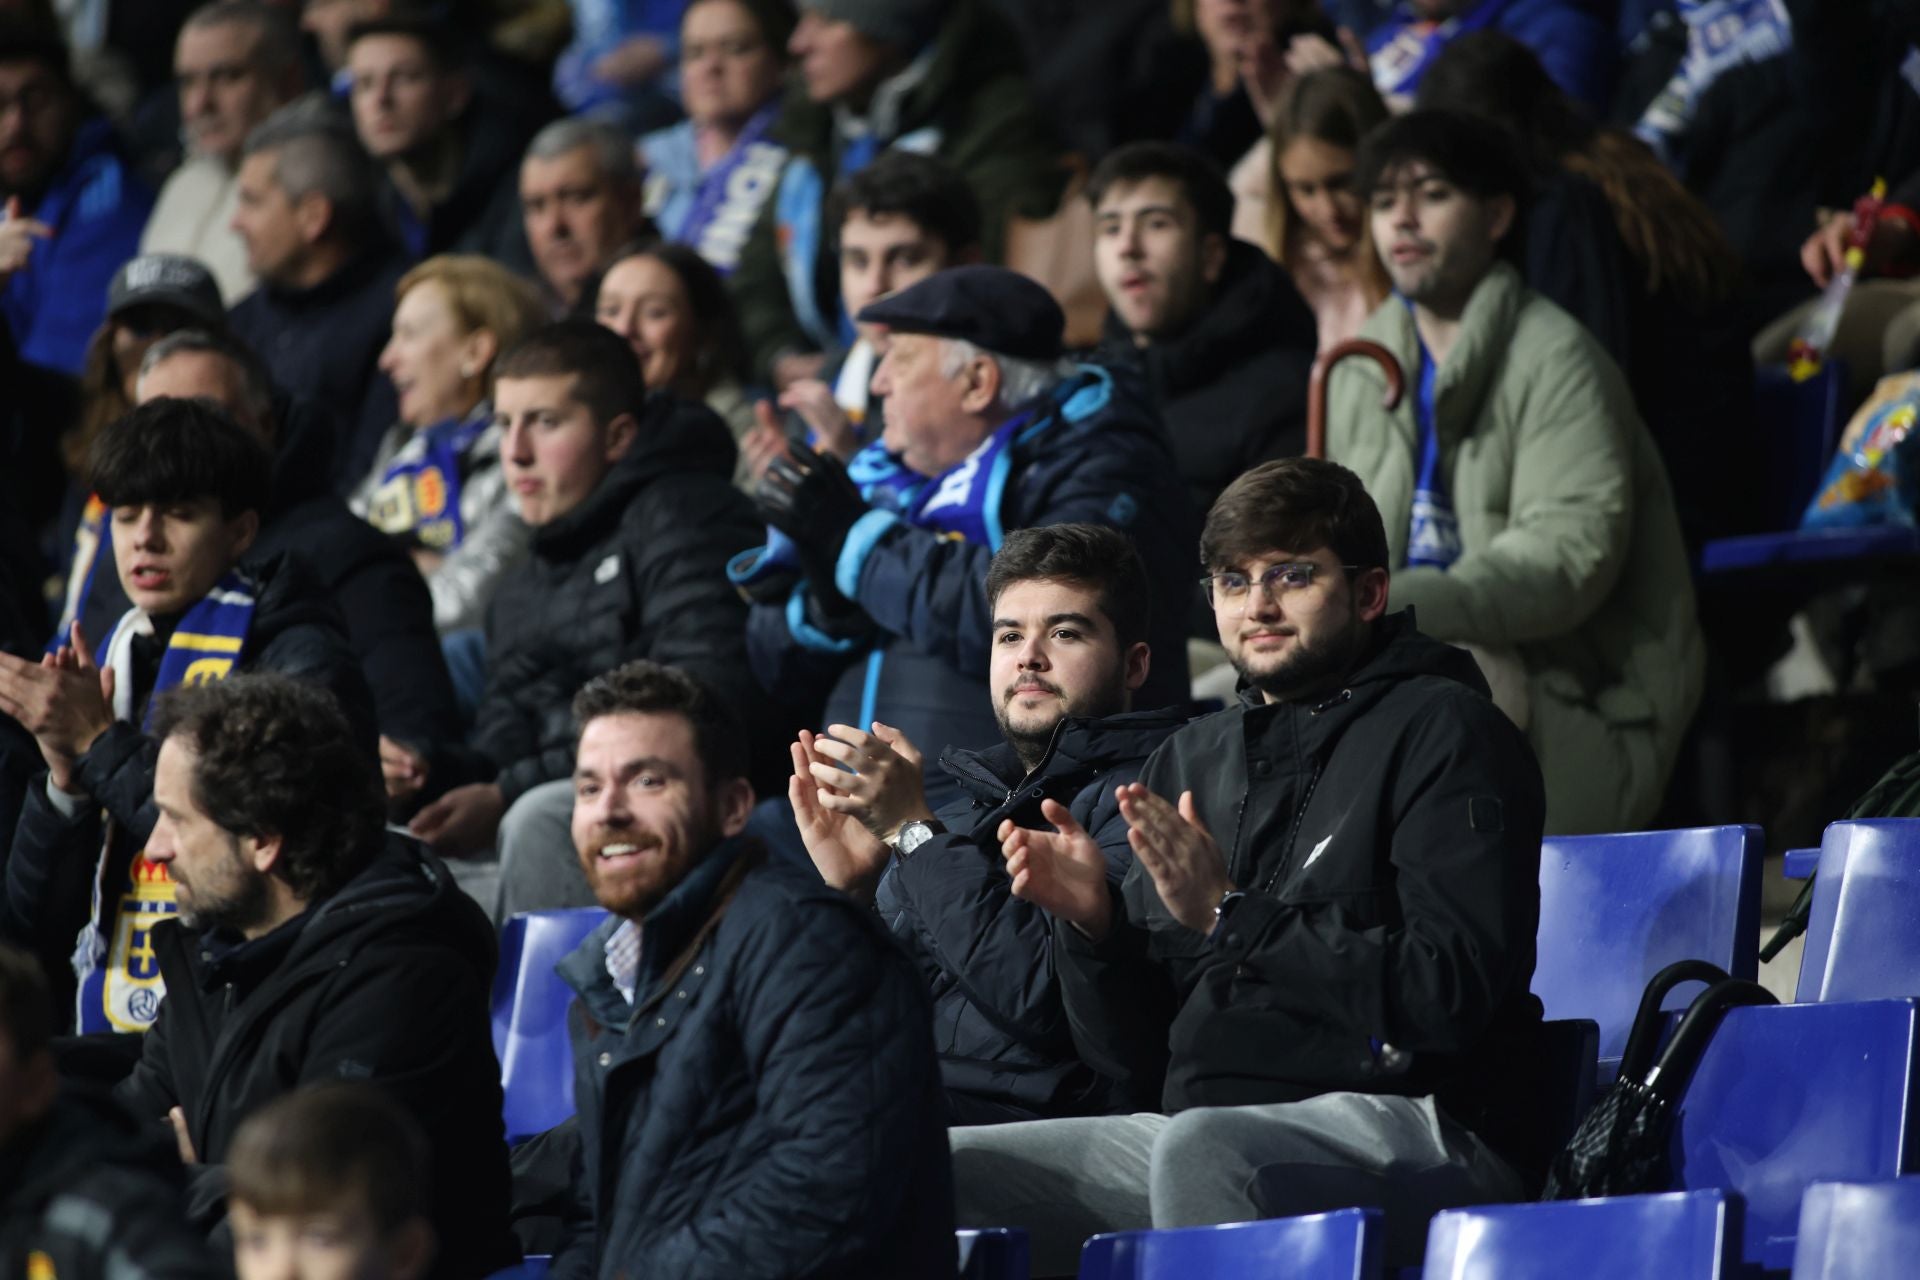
{"x":419,"y":495}
{"x":1721,"y":35}
{"x":1402,"y":53}
{"x":729,"y":196}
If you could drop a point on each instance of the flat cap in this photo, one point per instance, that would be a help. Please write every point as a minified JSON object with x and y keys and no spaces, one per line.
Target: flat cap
{"x":995,"y":309}
{"x":171,"y":280}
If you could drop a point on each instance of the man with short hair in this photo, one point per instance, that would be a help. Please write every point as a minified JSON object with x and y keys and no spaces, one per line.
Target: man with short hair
{"x":312,"y":946}
{"x":580,"y":201}
{"x":1219,"y":334}
{"x":236,"y":63}
{"x":1071,"y":610}
{"x":1527,"y":509}
{"x":446,"y":151}
{"x":753,"y":1067}
{"x":73,"y":207}
{"x":880,"y":607}
{"x":1318,"y":962}
{"x":309,"y":213}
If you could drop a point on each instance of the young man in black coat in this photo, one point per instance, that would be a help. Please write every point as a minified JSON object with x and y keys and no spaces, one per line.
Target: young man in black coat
{"x":1071,"y":606}
{"x":1318,"y":964}
{"x":753,"y":1066}
{"x":312,"y":946}
{"x":1214,"y":328}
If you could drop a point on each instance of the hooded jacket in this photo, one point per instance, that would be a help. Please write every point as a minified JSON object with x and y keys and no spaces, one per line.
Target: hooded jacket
{"x":1387,"y":840}
{"x":387,"y":981}
{"x":1231,"y":387}
{"x":637,"y":570}
{"x":987,"y":956}
{"x":770,"y":1106}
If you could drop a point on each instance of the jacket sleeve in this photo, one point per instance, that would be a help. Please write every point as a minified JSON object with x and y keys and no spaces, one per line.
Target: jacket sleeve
{"x":783,"y":660}
{"x":1010,"y":158}
{"x":1120,"y":1003}
{"x":1570,"y":517}
{"x":117,"y":771}
{"x":835,"y":1035}
{"x":149,"y":1092}
{"x":464,"y":582}
{"x":1466,"y":855}
{"x":389,"y":616}
{"x":322,"y":656}
{"x":48,"y":890}
{"x":758,"y":286}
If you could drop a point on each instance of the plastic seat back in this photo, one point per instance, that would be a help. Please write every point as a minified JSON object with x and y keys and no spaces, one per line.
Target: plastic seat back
{"x":1343,"y":1245}
{"x":1858,"y":1230}
{"x":530,"y":1017}
{"x":1789,"y":1095}
{"x":1863,"y":934}
{"x":1617,"y":909}
{"x":994,"y":1253}
{"x":1687,"y":1235}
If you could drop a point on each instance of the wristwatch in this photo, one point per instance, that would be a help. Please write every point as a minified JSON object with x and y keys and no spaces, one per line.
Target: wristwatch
{"x":1224,"y":908}
{"x":914,"y":834}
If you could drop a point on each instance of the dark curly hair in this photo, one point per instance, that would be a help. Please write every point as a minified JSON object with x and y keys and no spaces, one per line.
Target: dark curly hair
{"x":1297,"y":505}
{"x":275,"y":756}
{"x":648,"y":688}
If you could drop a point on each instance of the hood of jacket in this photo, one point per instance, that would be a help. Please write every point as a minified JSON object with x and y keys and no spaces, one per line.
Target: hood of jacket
{"x":288,"y":594}
{"x":1081,"y":748}
{"x":674,"y":437}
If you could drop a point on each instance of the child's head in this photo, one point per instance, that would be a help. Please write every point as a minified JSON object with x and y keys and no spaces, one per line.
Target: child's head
{"x":330,"y":1183}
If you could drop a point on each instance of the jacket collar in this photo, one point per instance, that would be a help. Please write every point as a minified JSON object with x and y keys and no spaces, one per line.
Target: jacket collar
{"x":1486,"y":335}
{"x":349,"y":280}
{"x":1081,"y":749}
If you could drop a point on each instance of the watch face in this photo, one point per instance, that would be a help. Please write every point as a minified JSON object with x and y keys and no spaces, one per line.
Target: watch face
{"x":913,"y":835}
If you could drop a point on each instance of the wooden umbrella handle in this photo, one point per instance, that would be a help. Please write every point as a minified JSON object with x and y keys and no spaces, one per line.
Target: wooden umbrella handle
{"x":1317,"y":386}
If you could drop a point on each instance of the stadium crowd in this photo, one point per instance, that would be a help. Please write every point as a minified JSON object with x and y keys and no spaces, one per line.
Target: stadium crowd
{"x":832,"y":483}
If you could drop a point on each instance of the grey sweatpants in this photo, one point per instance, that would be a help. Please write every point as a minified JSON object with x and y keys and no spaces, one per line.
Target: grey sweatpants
{"x":1064,"y":1180}
{"x":539,"y":869}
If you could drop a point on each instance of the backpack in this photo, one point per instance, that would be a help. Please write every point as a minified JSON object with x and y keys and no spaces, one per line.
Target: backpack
{"x":1622,"y":1147}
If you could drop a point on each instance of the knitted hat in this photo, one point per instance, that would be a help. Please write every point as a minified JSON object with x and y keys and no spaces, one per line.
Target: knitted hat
{"x":908,"y":25}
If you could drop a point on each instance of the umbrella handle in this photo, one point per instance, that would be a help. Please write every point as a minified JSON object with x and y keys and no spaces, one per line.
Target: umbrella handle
{"x":1317,"y":386}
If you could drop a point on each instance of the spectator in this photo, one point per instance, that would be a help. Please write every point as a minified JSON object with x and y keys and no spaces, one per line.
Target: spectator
{"x":580,"y":198}
{"x":1574,"y":43}
{"x":1247,"y":73}
{"x":619,"y":66}
{"x":1218,"y":334}
{"x":436,"y":482}
{"x":1332,"y":1008}
{"x":673,"y":310}
{"x":331,"y":24}
{"x":1530,"y":517}
{"x":236,"y":62}
{"x":185,"y":484}
{"x":83,"y":1194}
{"x":939,"y":76}
{"x":446,"y":151}
{"x":331,"y":1180}
{"x":992,"y":431}
{"x":309,"y":213}
{"x":781,"y":1114}
{"x":709,"y":175}
{"x":385,"y":606}
{"x":1071,"y":609}
{"x":73,"y":206}
{"x":1294,"y":197}
{"x":1667,"y":318}
{"x":312,"y":946}
{"x":634,"y":516}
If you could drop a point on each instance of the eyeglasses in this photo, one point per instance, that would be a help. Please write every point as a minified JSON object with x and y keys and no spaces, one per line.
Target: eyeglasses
{"x":1230,"y":586}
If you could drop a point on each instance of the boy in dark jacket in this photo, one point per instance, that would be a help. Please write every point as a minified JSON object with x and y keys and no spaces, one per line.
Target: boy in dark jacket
{"x":184,"y":485}
{"x":754,"y":1072}
{"x":311,"y":946}
{"x":1318,"y":964}
{"x":1071,"y":608}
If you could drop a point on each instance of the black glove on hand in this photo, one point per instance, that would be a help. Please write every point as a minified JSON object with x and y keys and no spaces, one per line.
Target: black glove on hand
{"x":810,"y":498}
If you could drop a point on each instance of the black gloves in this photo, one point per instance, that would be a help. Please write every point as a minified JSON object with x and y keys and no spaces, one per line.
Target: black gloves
{"x":810,"y":498}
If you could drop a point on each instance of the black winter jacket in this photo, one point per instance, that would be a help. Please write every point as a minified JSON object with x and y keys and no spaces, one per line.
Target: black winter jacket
{"x":47,"y":893}
{"x":1388,"y":842}
{"x":987,"y":956}
{"x":86,"y":1187}
{"x":638,"y":570}
{"x":387,"y":981}
{"x":1231,"y":387}
{"x":770,"y":1107}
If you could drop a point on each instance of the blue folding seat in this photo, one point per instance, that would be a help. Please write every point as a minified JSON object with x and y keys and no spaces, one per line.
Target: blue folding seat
{"x":1345,"y":1245}
{"x":1617,"y":909}
{"x":1685,"y":1235}
{"x":1863,"y":933}
{"x":530,"y":1017}
{"x":1858,"y":1230}
{"x":994,"y":1253}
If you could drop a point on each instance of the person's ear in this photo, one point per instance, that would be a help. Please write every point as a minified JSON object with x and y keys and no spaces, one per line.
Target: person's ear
{"x":621,"y":433}
{"x":1138,"y":661}
{"x":244,"y":528}
{"x":735,"y":800}
{"x":262,"y":853}
{"x":1503,"y":210}
{"x":1370,"y":588}
{"x":477,"y":351}
{"x":410,"y":1248}
{"x":983,"y":385}
{"x":1213,"y":257}
{"x":313,"y":216}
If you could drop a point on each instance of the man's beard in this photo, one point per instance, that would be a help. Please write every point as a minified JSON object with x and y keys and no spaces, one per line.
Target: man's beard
{"x":1311,"y":667}
{"x":632,"y":895}
{"x":1031,"y":738}
{"x":242,"y":906}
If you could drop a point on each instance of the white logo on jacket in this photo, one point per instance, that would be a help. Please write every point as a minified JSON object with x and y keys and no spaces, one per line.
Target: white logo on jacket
{"x":1317,"y":851}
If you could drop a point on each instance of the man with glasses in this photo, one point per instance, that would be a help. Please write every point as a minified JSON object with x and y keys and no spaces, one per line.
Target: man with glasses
{"x":1317,"y":966}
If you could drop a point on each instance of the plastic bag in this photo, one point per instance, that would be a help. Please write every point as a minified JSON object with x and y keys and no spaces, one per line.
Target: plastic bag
{"x":1875,"y":476}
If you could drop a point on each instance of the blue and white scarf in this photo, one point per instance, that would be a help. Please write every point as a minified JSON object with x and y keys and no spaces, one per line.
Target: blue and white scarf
{"x":419,"y":495}
{"x":1402,"y":54}
{"x":728,"y":198}
{"x":1721,"y":35}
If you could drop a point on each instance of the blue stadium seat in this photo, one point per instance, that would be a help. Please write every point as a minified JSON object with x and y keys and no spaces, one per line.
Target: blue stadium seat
{"x":530,"y":1017}
{"x":1789,"y":1095}
{"x":994,"y":1253}
{"x":1863,"y":934}
{"x":1617,"y":909}
{"x":1858,"y":1230}
{"x":1686,"y":1235}
{"x":534,"y":1268}
{"x":1344,"y":1245}
{"x":1799,"y":864}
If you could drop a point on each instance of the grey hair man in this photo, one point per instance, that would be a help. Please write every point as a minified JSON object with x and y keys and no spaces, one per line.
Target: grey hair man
{"x":580,"y":196}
